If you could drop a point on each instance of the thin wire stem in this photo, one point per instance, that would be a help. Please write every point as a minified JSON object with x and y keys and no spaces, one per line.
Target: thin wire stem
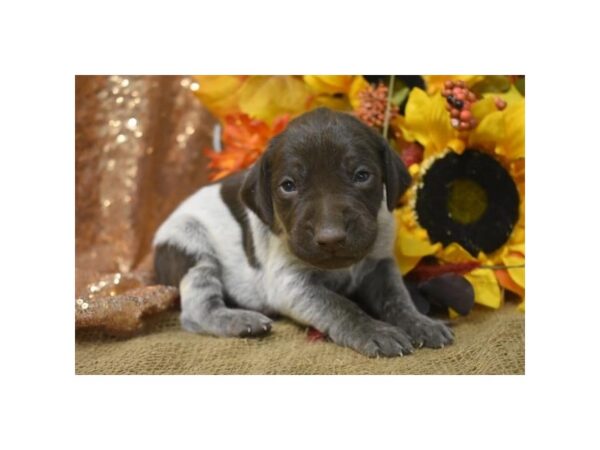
{"x":500,"y":266}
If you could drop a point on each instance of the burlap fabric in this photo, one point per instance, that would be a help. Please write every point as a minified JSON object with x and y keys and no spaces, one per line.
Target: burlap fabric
{"x":139,"y":144}
{"x":487,"y":342}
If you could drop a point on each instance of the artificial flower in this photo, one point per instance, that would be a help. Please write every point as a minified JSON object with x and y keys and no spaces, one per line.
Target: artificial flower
{"x":220,"y":93}
{"x":426,"y":121}
{"x":338,"y":92}
{"x":244,"y":140}
{"x":329,"y":84}
{"x":269,"y":97}
{"x":358,"y":85}
{"x":435,"y":83}
{"x":258,"y":96}
{"x":374,"y":105}
{"x":467,"y":200}
{"x":463,"y":142}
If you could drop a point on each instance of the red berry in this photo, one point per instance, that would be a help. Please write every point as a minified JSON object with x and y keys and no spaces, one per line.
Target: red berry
{"x":457,"y":91}
{"x":465,"y":115}
{"x":464,"y":125}
{"x":500,"y":104}
{"x":454,"y":113}
{"x":448,"y":84}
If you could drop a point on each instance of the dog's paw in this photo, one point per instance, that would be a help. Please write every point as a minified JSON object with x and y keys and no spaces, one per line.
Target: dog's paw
{"x":229,"y":322}
{"x":375,"y":338}
{"x":427,"y":332}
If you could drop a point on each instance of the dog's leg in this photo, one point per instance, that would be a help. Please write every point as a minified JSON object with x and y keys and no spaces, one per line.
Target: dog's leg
{"x":341,"y":319}
{"x":188,"y":260}
{"x":203,"y":309}
{"x":383,"y":294}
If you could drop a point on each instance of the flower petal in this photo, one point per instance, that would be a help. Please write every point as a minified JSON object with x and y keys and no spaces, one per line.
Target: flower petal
{"x":427,"y":121}
{"x":514,"y":143}
{"x":507,"y":282}
{"x":485,"y":285}
{"x":359,"y":83}
{"x":500,"y":131}
{"x":329,"y":84}
{"x":406,"y":263}
{"x":337,"y":104}
{"x":220,"y":93}
{"x":454,"y":253}
{"x":517,"y":274}
{"x":266,"y":97}
{"x":435,"y":83}
{"x":411,"y":245}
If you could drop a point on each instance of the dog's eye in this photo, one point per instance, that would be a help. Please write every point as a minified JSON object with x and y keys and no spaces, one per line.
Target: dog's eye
{"x":361,"y":176}
{"x":288,"y":186}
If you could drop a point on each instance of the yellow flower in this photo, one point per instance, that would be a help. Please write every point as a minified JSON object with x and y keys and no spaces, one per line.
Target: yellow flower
{"x":329,"y":84}
{"x":426,"y":121}
{"x":358,"y":84}
{"x":339,"y":92}
{"x":220,"y":93}
{"x":502,"y":131}
{"x":413,"y":242}
{"x":259,"y":96}
{"x":265,"y":97}
{"x":455,"y":205}
{"x":435,"y":83}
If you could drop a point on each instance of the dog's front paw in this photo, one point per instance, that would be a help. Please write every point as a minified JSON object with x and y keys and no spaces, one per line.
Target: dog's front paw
{"x":428,"y":332}
{"x":374,"y":338}
{"x":228,"y":322}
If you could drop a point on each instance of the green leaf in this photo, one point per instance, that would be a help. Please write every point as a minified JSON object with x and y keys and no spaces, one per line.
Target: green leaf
{"x":399,"y":96}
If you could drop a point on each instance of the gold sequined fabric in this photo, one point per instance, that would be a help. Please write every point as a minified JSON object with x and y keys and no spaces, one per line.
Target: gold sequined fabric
{"x":138,"y":154}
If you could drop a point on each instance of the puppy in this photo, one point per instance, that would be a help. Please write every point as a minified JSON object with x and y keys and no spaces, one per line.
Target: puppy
{"x":307,"y":232}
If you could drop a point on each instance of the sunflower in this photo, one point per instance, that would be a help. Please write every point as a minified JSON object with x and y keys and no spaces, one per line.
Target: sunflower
{"x":466,"y":207}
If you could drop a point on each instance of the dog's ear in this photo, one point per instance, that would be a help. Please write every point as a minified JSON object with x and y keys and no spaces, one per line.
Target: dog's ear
{"x":256,"y":190}
{"x":396,"y":177}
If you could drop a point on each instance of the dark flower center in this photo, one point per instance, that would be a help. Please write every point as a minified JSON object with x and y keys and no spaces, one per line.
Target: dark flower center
{"x":469,"y":199}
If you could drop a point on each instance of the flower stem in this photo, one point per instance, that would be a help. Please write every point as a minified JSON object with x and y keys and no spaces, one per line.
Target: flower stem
{"x":386,"y":120}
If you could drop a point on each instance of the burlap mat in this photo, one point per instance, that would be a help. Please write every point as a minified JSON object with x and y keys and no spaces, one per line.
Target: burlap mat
{"x":487,"y":342}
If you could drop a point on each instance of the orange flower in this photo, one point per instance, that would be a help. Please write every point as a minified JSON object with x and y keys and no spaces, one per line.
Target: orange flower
{"x":244,"y":140}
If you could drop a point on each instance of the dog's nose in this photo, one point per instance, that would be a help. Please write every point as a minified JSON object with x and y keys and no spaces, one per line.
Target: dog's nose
{"x":330,"y":237}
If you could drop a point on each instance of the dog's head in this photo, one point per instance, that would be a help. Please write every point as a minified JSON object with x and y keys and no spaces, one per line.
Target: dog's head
{"x":320,"y":186}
